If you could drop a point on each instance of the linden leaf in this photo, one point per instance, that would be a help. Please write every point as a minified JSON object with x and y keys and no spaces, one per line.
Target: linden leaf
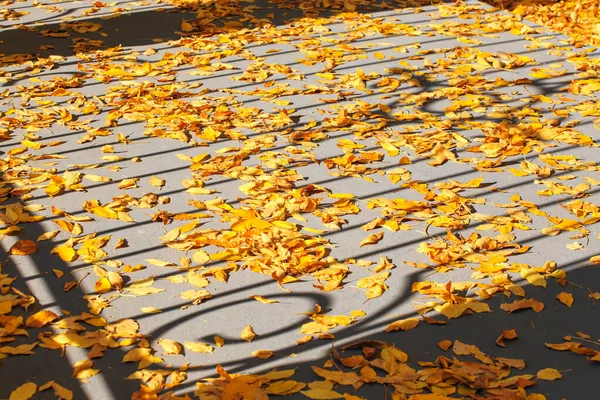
{"x":565,"y":298}
{"x":262,"y":354}
{"x":248,"y":334}
{"x":48,"y":235}
{"x":151,"y":310}
{"x":40,"y":319}
{"x":521,"y":304}
{"x":23,"y":248}
{"x":83,"y":370}
{"x":508,"y":335}
{"x":263,"y":300}
{"x":444,"y":344}
{"x":284,"y":388}
{"x":549,"y":374}
{"x":403,"y":324}
{"x":158,"y":182}
{"x":533,"y":276}
{"x":60,"y":391}
{"x":199,"y":347}
{"x":23,"y":392}
{"x":169,"y":346}
{"x":371,"y":239}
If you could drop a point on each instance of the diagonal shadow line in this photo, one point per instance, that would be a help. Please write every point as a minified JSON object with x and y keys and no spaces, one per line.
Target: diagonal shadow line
{"x":346,"y":229}
{"x":340,"y":68}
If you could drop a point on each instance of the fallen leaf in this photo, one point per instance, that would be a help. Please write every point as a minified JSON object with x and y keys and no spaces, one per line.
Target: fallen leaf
{"x":403,"y":324}
{"x":169,"y":346}
{"x":549,"y":374}
{"x":248,"y":334}
{"x":565,"y":298}
{"x":23,"y":247}
{"x":23,"y":392}
{"x":198,"y":347}
{"x":506,"y":335}
{"x":40,"y":319}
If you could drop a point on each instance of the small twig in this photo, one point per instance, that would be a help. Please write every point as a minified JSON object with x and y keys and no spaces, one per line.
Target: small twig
{"x":585,"y":340}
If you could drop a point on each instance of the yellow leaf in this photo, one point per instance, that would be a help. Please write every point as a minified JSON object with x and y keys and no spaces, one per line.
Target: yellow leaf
{"x":66,"y":253}
{"x":186,"y":27}
{"x":219,"y":341}
{"x":48,"y":235}
{"x":83,"y":370}
{"x":372,"y":239}
{"x":151,"y":310}
{"x":160,"y":263}
{"x":159,"y":183}
{"x":23,"y":248}
{"x":246,"y":224}
{"x":169,"y":346}
{"x":23,"y":392}
{"x":263,"y":300}
{"x":199,"y":347}
{"x":549,"y":374}
{"x":378,"y":55}
{"x":403,"y":324}
{"x":565,"y":298}
{"x":61,"y":392}
{"x":262,"y":354}
{"x":102,"y":285}
{"x":533,"y":276}
{"x":201,"y":257}
{"x":284,"y":388}
{"x":248,"y":334}
{"x":40,"y":319}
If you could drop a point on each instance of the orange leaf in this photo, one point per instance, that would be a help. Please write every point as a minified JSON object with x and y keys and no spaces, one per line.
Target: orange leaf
{"x":23,"y":248}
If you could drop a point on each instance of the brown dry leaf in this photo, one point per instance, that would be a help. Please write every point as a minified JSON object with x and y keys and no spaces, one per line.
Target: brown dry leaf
{"x":521,"y":304}
{"x":509,"y":334}
{"x":23,"y":392}
{"x":371,"y":239}
{"x":248,"y":334}
{"x":549,"y":374}
{"x":444,"y":344}
{"x":565,"y":298}
{"x":23,"y":247}
{"x":403,"y":324}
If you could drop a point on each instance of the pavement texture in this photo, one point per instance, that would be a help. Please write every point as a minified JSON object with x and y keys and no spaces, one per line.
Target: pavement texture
{"x":264,"y":119}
